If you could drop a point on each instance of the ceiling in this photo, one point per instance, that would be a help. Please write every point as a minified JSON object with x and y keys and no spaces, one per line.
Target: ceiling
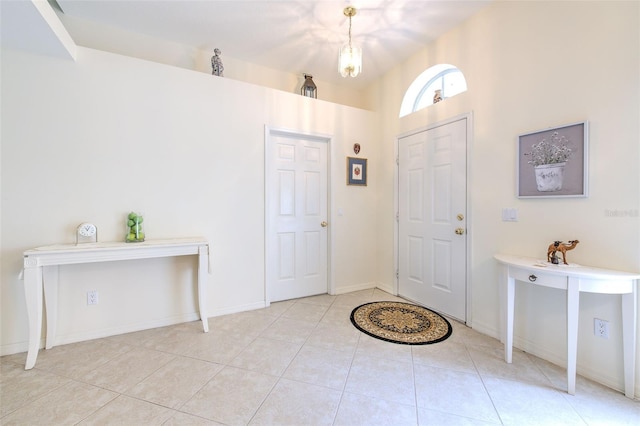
{"x":297,"y":36}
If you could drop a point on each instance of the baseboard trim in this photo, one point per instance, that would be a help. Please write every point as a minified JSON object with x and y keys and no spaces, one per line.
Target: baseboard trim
{"x":66,"y":339}
{"x":239,"y":308}
{"x":386,"y":288}
{"x":554,"y":357}
{"x":355,"y":287}
{"x":486,"y":329}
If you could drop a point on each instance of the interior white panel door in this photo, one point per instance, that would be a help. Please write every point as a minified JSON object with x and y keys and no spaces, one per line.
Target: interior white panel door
{"x":431,"y":218}
{"x":297,"y":201}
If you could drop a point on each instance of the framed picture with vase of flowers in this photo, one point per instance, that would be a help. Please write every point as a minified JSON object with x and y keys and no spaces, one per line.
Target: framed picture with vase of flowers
{"x":553,"y":162}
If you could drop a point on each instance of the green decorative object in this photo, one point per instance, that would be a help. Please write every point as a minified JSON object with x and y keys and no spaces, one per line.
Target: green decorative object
{"x":136,"y":231}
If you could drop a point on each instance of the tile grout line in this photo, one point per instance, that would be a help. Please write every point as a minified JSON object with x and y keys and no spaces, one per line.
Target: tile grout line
{"x":415,"y":387}
{"x":482,"y":380}
{"x":280,"y":376}
{"x":346,"y":380}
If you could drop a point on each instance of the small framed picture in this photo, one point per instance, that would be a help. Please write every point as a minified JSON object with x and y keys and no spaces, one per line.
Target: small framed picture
{"x":552,"y":163}
{"x":356,"y":171}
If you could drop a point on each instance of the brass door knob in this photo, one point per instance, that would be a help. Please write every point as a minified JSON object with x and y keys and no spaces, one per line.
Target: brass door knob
{"x":459,"y":231}
{"x":324,"y":224}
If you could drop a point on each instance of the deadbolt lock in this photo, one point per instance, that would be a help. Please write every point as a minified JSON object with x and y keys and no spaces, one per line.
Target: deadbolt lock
{"x":460,"y":216}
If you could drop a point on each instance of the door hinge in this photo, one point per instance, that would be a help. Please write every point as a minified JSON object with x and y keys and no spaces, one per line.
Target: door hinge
{"x":398,"y":161}
{"x":397,"y":274}
{"x":397,"y":217}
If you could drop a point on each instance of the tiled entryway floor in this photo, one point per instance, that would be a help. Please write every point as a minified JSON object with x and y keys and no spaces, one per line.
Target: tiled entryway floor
{"x":297,"y":362}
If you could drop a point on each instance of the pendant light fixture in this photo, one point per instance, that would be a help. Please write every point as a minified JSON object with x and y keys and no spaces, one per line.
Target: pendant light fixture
{"x":350,"y":57}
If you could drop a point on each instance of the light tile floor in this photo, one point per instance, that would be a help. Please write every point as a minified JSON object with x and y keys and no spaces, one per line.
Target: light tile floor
{"x":297,"y":362}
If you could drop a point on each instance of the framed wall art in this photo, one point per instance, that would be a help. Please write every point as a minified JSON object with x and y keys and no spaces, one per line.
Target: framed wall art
{"x":356,"y":171}
{"x":553,"y":163}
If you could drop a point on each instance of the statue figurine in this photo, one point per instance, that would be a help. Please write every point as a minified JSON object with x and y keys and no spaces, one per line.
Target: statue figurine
{"x":216,"y":63}
{"x":437,"y":96}
{"x":559,"y":246}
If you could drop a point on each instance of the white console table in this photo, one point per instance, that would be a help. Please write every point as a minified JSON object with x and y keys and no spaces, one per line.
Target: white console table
{"x":573,"y":279}
{"x":41,"y":276}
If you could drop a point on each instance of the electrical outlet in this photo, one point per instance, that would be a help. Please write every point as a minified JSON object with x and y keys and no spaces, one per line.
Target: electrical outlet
{"x":601,"y":328}
{"x":92,"y":297}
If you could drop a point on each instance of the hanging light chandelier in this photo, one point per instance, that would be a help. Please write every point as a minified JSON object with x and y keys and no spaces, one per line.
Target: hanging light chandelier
{"x":350,"y":57}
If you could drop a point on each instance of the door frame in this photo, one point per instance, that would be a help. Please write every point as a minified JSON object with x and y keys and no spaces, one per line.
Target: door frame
{"x":269,"y":133}
{"x":396,"y":185}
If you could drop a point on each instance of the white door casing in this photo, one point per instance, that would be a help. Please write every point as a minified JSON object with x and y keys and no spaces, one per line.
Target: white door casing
{"x":432,"y":218}
{"x":296,"y":251}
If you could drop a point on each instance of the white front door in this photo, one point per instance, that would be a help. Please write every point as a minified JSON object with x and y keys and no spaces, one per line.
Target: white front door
{"x":431,"y":218}
{"x":296,"y":224}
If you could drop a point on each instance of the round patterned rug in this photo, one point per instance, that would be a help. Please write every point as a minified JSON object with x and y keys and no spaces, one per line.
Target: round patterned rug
{"x":402,"y":323}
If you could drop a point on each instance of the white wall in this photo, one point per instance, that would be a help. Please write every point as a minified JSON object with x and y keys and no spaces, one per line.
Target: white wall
{"x":110,"y":39}
{"x":530,"y":66}
{"x":94,"y":139}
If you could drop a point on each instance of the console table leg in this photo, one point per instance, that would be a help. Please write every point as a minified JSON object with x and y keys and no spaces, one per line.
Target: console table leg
{"x":629,"y":318}
{"x":573,"y":301}
{"x":203,"y":270}
{"x":510,"y":301}
{"x":33,"y":295}
{"x":50,"y":278}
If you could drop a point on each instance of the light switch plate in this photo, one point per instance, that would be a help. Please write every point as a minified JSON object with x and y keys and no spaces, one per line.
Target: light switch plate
{"x":509,"y":215}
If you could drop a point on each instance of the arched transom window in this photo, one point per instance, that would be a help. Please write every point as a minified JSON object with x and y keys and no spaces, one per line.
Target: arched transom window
{"x":446,"y":78}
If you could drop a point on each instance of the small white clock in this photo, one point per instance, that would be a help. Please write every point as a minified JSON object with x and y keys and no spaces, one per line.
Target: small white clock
{"x":86,"y":233}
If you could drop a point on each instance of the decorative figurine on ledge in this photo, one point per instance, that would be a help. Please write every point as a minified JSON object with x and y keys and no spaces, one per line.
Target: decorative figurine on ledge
{"x":559,"y":246}
{"x":216,"y":63}
{"x":437,"y":96}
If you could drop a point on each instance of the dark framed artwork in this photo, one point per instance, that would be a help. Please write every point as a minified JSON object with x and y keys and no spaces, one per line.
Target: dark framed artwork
{"x":553,"y":163}
{"x":356,"y":171}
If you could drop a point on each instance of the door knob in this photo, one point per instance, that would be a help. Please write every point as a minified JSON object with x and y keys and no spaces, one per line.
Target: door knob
{"x":324,"y":224}
{"x":459,"y":231}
